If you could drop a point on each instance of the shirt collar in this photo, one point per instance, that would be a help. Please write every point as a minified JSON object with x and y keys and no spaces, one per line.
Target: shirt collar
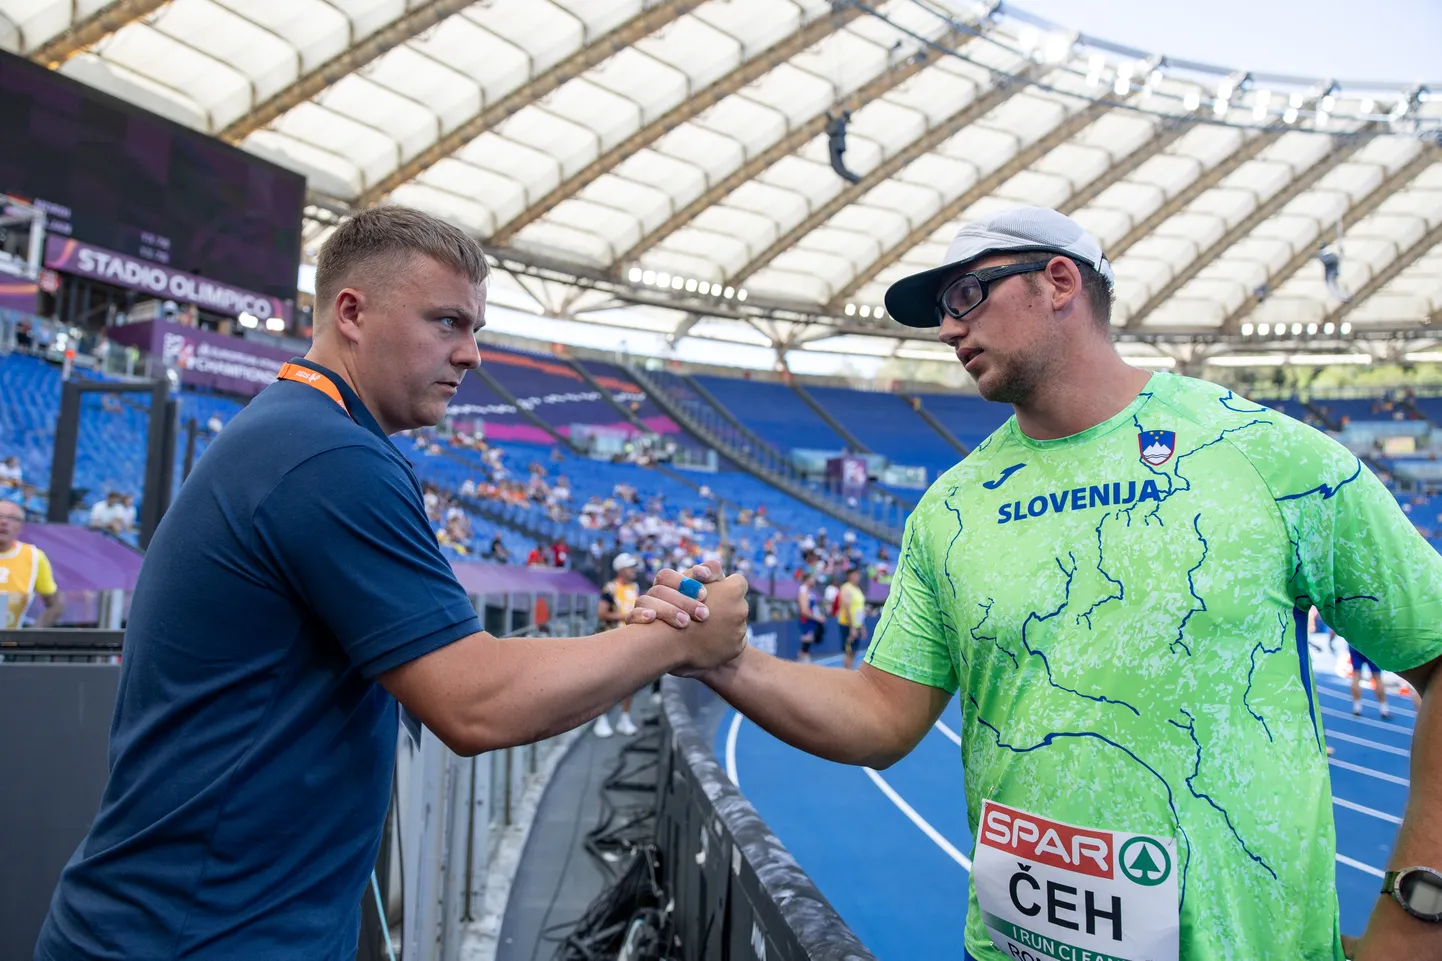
{"x":358,"y":411}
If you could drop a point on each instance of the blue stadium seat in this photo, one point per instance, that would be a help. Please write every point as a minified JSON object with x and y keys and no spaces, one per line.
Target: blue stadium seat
{"x":970,"y":418}
{"x":775,"y":412}
{"x":887,"y":424}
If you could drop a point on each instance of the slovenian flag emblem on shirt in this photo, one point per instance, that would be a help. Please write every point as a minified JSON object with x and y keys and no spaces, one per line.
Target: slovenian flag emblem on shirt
{"x":1157,"y":446}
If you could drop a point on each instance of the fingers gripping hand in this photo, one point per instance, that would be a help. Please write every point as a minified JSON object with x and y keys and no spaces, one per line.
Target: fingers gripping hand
{"x":723,"y":635}
{"x":665,"y":601}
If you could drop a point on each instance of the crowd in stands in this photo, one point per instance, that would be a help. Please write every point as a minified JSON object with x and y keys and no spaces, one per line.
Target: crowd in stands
{"x":114,"y":515}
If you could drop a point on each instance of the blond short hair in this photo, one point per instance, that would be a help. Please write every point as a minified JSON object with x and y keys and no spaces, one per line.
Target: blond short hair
{"x":389,"y":233}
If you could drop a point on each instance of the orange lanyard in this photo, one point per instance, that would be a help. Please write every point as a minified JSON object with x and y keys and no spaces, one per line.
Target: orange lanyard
{"x":312,"y":378}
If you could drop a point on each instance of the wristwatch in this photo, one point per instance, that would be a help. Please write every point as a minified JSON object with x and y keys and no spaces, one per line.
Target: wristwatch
{"x":1418,"y":890}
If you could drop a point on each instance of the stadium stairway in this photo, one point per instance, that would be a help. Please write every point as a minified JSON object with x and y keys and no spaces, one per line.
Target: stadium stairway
{"x":762,"y":462}
{"x":607,"y":395}
{"x":836,"y":425}
{"x":510,"y":398}
{"x":1322,"y":414}
{"x":708,"y":404}
{"x":919,"y":406}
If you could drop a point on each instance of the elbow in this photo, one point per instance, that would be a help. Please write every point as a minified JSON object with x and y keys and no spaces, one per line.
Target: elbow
{"x":880,"y":761}
{"x":467,"y":738}
{"x":478,"y":733}
{"x":467,"y":742}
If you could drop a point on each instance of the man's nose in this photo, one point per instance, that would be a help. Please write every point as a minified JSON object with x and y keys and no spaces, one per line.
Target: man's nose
{"x":469,"y":356}
{"x":952,"y":330}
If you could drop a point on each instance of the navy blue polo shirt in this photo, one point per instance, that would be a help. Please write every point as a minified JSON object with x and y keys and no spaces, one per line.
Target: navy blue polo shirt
{"x":252,"y":751}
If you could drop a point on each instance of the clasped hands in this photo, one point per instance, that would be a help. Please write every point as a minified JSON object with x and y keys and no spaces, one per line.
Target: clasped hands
{"x":714,"y":622}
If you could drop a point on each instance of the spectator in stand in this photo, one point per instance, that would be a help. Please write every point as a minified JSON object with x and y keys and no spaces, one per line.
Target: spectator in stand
{"x":537,"y":557}
{"x":560,"y":553}
{"x":458,"y":525}
{"x":24,"y":572}
{"x":497,"y":551}
{"x":109,"y":515}
{"x":468,"y":488}
{"x":444,"y":538}
{"x":10,"y":473}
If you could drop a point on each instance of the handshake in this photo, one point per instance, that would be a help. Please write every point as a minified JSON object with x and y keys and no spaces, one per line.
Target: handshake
{"x":714,"y":621}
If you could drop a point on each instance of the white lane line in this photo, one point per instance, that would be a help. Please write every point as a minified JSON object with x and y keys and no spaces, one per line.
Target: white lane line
{"x":918,"y":820}
{"x":735,"y":730}
{"x":950,"y":734}
{"x":1405,"y":712}
{"x":1350,"y":739}
{"x":1359,"y":769}
{"x":731,"y":749}
{"x":1358,"y":719}
{"x":1363,"y":809}
{"x":1343,"y":859}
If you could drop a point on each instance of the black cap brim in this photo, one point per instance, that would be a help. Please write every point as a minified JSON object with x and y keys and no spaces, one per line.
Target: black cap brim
{"x":911,"y":301}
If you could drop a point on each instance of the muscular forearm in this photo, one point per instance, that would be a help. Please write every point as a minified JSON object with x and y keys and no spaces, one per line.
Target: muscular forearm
{"x":1392,"y":933}
{"x":827,"y":711}
{"x":486,"y":693}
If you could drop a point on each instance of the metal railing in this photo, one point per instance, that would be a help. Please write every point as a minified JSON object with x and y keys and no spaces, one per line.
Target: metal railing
{"x":449,"y":822}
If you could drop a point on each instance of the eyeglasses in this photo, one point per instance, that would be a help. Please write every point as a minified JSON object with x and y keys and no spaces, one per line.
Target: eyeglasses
{"x":967,"y":292}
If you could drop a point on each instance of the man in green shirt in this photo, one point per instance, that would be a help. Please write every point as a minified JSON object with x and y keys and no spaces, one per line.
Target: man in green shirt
{"x":1116,"y":583}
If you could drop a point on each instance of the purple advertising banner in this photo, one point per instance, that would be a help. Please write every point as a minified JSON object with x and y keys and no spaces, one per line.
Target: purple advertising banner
{"x":16,"y":294}
{"x":205,"y":358}
{"x":97,"y":263}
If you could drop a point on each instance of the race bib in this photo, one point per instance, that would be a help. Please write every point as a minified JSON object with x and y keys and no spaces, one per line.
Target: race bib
{"x":1049,"y":890}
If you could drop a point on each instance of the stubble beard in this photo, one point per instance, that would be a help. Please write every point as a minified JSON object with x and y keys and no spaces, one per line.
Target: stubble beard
{"x":1015,"y":381}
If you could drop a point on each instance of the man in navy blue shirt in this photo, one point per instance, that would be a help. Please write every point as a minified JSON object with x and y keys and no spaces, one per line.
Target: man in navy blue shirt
{"x":290,"y":597}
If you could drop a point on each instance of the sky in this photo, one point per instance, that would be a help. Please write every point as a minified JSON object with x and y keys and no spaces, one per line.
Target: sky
{"x":1386,"y":40}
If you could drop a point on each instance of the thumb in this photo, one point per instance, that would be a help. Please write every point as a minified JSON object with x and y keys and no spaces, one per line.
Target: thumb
{"x":706,"y":573}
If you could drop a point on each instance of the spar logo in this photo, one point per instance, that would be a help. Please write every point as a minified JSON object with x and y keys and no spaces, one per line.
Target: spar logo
{"x":1145,"y":861}
{"x":1033,"y":838}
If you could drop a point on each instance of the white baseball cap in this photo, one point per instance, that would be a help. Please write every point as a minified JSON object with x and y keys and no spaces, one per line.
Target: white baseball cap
{"x":624,"y":561}
{"x":912,"y":300}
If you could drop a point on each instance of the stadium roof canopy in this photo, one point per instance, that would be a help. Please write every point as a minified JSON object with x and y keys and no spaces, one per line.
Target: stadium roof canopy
{"x":662,"y":165}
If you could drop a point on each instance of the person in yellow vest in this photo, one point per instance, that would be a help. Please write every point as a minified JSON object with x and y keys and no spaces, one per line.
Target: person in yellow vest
{"x":618,"y":598}
{"x":851,"y":614}
{"x":24,"y":572}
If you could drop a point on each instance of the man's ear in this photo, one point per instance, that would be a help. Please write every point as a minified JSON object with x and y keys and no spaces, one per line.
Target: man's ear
{"x":347,"y":313}
{"x":1066,"y":282}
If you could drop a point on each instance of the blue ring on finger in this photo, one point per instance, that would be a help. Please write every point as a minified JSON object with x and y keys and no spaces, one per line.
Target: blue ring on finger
{"x":690,"y":587}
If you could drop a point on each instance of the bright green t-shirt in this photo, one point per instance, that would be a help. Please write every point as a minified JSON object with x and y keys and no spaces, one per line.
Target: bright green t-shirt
{"x":1123,"y":612}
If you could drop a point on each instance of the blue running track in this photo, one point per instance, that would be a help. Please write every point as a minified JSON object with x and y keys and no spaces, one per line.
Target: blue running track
{"x":890,"y":850}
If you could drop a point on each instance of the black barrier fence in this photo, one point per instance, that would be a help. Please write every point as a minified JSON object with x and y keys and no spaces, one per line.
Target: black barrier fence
{"x":738,"y":894}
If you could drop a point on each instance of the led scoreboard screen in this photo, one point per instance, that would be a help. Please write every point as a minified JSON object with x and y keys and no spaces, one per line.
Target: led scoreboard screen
{"x":117,"y":176}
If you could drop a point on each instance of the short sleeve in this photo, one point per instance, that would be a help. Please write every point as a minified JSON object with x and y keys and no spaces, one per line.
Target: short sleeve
{"x":1360,"y":561}
{"x":910,"y":641}
{"x":44,"y":575}
{"x":346,"y":531}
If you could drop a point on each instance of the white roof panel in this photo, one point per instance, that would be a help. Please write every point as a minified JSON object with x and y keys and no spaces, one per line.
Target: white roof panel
{"x":211,"y":63}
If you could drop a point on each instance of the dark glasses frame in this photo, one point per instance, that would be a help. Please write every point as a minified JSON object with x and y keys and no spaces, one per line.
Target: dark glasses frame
{"x":985,"y":278}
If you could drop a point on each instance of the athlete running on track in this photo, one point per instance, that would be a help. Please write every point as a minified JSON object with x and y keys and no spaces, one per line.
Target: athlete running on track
{"x":1116,"y":584}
